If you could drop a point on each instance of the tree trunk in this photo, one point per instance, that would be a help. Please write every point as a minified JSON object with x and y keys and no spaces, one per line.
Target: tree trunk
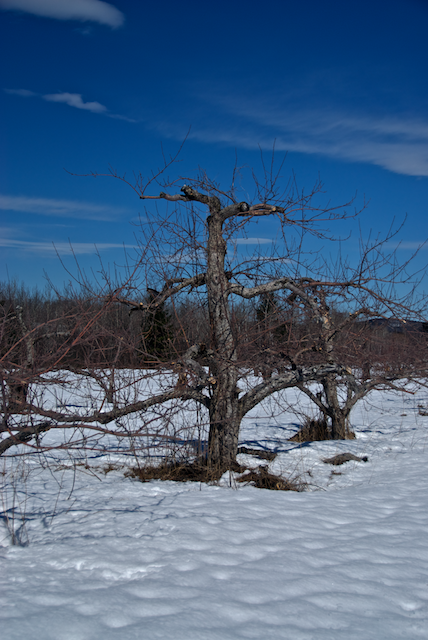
{"x":337,"y":415}
{"x":225,"y":416}
{"x":225,"y":421}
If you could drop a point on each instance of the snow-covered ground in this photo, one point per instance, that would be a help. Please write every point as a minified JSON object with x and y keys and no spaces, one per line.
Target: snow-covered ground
{"x":104,"y":557}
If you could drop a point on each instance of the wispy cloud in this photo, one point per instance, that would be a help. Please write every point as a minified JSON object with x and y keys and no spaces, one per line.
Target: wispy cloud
{"x":75,"y":100}
{"x":400,"y":147}
{"x":82,"y":10}
{"x":71,"y":99}
{"x":62,"y":208}
{"x":252,"y":241}
{"x":62,"y":248}
{"x":24,"y":93}
{"x":116,"y":116}
{"x":407,"y":245}
{"x":396,"y":143}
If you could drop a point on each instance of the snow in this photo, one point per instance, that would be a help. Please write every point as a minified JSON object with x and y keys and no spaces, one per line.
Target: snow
{"x":103,"y":556}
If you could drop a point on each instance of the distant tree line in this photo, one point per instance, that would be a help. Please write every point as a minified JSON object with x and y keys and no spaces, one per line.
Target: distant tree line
{"x":36,"y":325}
{"x":45,"y":330}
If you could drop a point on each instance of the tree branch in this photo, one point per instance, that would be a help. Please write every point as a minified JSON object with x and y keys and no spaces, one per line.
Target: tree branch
{"x":104,"y":417}
{"x":188,"y":195}
{"x":167,"y":292}
{"x":285,"y":380}
{"x":24,"y":435}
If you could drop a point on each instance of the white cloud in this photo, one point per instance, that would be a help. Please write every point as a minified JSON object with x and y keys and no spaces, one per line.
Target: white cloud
{"x":407,"y":245}
{"x":400,"y":149}
{"x":252,"y":241}
{"x":61,"y":208}
{"x":115,"y":116}
{"x":83,"y":10}
{"x":395,"y":143}
{"x":72,"y":99}
{"x":24,"y":93}
{"x":50,"y":248}
{"x":75,"y":100}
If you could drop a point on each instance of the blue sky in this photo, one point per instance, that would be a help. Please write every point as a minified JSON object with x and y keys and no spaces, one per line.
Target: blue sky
{"x":341,"y":86}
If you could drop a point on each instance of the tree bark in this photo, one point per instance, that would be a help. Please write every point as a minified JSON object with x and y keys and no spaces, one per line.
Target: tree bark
{"x":225,"y":421}
{"x":225,"y":415}
{"x":337,"y":414}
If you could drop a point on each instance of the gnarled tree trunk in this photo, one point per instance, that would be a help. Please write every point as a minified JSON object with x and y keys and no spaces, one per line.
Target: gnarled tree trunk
{"x":224,"y":411}
{"x":225,"y":421}
{"x":337,"y":414}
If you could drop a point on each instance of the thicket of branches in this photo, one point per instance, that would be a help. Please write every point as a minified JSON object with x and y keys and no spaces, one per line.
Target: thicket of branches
{"x":195,"y":326}
{"x":49,"y":321}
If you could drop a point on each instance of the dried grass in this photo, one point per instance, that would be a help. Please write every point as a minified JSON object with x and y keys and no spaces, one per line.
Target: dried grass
{"x":198,"y":472}
{"x":176,"y":471}
{"x":263,"y":479}
{"x":315,"y":430}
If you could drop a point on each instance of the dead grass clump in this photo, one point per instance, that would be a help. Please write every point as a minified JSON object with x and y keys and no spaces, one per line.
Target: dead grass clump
{"x":111,"y":467}
{"x":263,"y":479}
{"x":178,"y":472}
{"x":341,"y":458}
{"x":197,"y":472}
{"x":314,"y":430}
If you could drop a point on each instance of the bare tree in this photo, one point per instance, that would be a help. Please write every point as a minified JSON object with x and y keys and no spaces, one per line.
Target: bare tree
{"x":372,"y":359}
{"x":184,"y":254}
{"x":367,"y":317}
{"x":200,"y":244}
{"x":39,"y":338}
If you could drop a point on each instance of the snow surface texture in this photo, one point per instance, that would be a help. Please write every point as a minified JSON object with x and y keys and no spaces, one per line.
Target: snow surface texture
{"x":110,"y":558}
